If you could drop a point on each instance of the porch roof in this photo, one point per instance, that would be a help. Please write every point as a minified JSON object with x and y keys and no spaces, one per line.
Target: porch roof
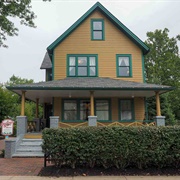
{"x":103,"y":87}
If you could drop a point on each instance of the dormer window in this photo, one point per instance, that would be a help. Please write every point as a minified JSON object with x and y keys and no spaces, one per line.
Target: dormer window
{"x":82,"y":66}
{"x":97,"y":29}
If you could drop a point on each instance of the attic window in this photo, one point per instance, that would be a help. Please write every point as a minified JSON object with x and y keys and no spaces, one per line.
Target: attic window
{"x":97,"y":29}
{"x":124,"y":65}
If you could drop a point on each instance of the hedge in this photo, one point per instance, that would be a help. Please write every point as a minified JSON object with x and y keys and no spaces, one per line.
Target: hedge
{"x":114,"y":146}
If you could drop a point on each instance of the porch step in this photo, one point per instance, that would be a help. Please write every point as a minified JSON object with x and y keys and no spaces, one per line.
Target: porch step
{"x":33,"y":136}
{"x":29,"y":148}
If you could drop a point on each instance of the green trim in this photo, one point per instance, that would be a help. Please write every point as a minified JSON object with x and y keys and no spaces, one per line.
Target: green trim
{"x":76,"y":64}
{"x":143,"y":69}
{"x":88,"y":88}
{"x":130,"y":65}
{"x":132,"y":110}
{"x":112,"y":18}
{"x":48,"y":74}
{"x":127,"y":121}
{"x":109,"y":111}
{"x":92,"y":30}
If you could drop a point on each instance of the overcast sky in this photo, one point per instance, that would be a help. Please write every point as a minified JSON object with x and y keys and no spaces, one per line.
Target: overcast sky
{"x":24,"y":56}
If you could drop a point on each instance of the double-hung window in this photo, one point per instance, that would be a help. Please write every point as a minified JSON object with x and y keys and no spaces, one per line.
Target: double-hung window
{"x":82,"y":65}
{"x":97,"y":29}
{"x":126,"y":109}
{"x":102,"y":109}
{"x":124,"y":65}
{"x":70,"y":110}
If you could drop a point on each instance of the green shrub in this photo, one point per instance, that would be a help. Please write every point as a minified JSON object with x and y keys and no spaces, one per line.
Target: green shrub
{"x":114,"y":146}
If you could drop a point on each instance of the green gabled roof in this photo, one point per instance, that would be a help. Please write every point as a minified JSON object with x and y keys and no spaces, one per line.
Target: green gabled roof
{"x":112,"y":18}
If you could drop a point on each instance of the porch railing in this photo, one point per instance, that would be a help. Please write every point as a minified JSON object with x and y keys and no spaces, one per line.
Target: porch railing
{"x":36,"y":125}
{"x":116,"y":123}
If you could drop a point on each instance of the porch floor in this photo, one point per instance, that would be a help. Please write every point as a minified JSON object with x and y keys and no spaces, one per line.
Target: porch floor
{"x":33,"y":136}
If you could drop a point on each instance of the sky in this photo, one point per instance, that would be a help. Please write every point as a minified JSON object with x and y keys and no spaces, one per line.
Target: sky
{"x":26,"y":51}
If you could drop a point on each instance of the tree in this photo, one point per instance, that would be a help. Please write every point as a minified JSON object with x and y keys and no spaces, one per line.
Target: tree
{"x":10,"y":103}
{"x":17,"y":9}
{"x":162,"y":67}
{"x":17,"y":80}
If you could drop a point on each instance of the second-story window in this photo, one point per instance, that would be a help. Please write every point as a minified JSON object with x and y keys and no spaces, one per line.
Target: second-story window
{"x":124,"y":65}
{"x":82,"y":65}
{"x":97,"y":29}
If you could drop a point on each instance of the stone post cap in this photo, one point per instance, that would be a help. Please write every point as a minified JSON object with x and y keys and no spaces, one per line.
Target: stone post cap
{"x":54,"y":117}
{"x":160,"y":117}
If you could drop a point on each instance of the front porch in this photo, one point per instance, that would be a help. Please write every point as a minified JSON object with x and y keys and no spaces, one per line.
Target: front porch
{"x":73,"y":100}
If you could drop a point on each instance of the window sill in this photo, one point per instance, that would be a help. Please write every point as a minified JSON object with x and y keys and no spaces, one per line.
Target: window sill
{"x":126,"y":121}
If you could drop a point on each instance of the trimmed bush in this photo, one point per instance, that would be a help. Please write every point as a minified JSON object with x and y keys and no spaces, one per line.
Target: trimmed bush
{"x":114,"y":146}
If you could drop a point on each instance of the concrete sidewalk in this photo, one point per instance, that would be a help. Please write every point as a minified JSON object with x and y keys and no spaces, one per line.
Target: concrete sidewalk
{"x":92,"y":178}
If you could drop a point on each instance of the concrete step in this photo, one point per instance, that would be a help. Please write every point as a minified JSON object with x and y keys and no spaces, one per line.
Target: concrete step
{"x":31,"y":142}
{"x":28,"y":154}
{"x":29,"y":148}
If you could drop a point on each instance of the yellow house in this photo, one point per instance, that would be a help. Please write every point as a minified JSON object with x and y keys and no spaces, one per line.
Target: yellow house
{"x":95,"y":69}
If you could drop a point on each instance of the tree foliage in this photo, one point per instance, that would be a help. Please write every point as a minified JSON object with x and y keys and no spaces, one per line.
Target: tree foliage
{"x":162,"y":67}
{"x":10,"y":103}
{"x":9,"y":9}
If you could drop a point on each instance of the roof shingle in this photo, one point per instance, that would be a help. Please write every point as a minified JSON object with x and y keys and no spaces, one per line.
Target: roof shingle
{"x":46,"y":64}
{"x":91,"y":83}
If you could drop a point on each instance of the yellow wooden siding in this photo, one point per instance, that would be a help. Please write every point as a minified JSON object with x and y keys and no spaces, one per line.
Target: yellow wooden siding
{"x":139,"y":108}
{"x":57,"y":107}
{"x":79,"y":42}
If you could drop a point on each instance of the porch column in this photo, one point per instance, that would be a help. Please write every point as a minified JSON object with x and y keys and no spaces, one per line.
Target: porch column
{"x":23,"y":103}
{"x":37,"y":107}
{"x":160,"y":120}
{"x":158,"y":106}
{"x":92,"y":120}
{"x":92,"y":102}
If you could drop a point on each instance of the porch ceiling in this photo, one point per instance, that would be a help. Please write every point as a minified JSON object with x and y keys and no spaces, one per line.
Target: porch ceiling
{"x":81,"y":87}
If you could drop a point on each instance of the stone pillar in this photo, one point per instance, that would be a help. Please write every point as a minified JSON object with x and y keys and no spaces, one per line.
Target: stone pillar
{"x":92,"y":120}
{"x":54,"y":121}
{"x":21,"y":125}
{"x":10,"y":147}
{"x":160,"y":120}
{"x":23,"y":103}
